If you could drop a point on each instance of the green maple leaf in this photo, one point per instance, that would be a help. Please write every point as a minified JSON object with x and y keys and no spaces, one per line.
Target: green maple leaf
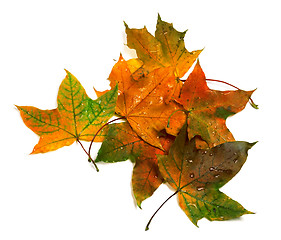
{"x":122,"y":143}
{"x":76,"y":118}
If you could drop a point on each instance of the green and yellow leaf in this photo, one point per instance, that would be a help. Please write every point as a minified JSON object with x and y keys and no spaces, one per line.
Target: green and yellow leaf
{"x":77,"y":116}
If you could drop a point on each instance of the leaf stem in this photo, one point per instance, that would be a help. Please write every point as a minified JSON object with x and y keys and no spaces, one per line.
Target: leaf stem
{"x":251,"y":100}
{"x":182,"y":110}
{"x":214,"y":80}
{"x":90,"y":158}
{"x":147,"y":226}
{"x":89,"y":151}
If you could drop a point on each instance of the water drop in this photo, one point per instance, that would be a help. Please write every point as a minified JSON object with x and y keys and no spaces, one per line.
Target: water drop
{"x":190,"y":160}
{"x":121,"y":148}
{"x":216,"y":176}
{"x":192,"y":205}
{"x":211,"y":168}
{"x":211,"y":154}
{"x":204,"y":152}
{"x":200,"y":188}
{"x":191,"y":175}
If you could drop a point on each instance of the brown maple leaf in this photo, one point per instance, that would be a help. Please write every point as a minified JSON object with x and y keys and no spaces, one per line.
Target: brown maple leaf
{"x":198,"y":174}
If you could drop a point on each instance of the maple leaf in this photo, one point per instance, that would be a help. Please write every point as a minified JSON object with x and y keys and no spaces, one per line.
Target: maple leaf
{"x":76,"y":118}
{"x":145,"y":102}
{"x":122,"y":143}
{"x":197,"y":175}
{"x":208,"y":109}
{"x":166,"y":49}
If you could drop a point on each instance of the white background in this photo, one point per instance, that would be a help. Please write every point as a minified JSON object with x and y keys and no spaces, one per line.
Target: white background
{"x":59,"y":195}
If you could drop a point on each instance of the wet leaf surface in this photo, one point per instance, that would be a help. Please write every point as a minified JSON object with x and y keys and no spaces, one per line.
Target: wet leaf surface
{"x":197,"y":175}
{"x":208,"y":109}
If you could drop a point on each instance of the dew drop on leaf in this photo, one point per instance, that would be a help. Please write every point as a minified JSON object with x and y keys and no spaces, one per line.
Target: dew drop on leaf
{"x":204,"y":152}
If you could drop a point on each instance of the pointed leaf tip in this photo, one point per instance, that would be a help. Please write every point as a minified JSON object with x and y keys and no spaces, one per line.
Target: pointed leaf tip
{"x":68,"y":73}
{"x":252,"y":144}
{"x":159,"y":18}
{"x":249,"y":212}
{"x":125,"y":24}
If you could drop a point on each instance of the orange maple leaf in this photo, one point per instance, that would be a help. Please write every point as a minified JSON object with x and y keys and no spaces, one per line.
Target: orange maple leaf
{"x":146,"y":102}
{"x":208,"y":109}
{"x":166,"y":49}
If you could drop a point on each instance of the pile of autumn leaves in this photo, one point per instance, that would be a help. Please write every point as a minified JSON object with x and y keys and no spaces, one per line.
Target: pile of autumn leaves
{"x":173,"y":130}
